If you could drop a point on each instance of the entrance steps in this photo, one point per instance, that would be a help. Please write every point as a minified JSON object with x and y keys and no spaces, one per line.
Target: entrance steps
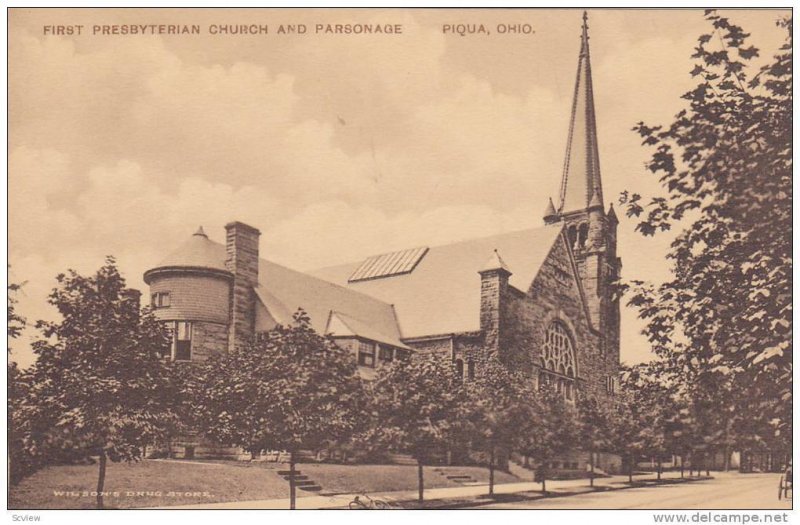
{"x":301,"y":481}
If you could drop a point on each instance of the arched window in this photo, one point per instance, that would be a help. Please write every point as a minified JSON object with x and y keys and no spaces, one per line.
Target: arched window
{"x":558,"y":357}
{"x":583,"y":235}
{"x":572,"y":236}
{"x":470,"y":369}
{"x":459,"y":369}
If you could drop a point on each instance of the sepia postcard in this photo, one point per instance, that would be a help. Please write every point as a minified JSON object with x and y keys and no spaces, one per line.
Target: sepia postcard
{"x":400,"y":258}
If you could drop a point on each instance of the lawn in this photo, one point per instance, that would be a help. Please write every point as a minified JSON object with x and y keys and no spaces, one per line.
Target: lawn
{"x":381,"y":478}
{"x":167,"y":483}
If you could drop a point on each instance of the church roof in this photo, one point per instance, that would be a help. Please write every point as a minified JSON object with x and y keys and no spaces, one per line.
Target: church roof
{"x":581,"y":176}
{"x":441,"y":295}
{"x":287,"y":290}
{"x":282,"y":291}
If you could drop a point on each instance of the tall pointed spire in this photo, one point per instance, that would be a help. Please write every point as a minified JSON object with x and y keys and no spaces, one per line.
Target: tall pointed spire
{"x":580,"y":181}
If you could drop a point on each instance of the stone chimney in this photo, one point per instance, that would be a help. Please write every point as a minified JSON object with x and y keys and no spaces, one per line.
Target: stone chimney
{"x":241,"y":245}
{"x":494,"y":290}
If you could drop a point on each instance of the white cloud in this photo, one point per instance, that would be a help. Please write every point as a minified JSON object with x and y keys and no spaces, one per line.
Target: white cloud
{"x":336,"y":148}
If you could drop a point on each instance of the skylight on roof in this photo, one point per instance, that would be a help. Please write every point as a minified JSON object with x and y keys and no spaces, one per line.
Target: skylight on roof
{"x":388,"y":264}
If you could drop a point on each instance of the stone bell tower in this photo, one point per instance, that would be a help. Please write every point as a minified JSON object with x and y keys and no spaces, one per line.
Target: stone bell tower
{"x":592,"y":232}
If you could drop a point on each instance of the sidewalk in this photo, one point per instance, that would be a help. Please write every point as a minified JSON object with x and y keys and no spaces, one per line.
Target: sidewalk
{"x":448,"y":496}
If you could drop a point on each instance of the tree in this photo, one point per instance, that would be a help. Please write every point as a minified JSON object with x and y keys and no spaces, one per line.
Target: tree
{"x":499,"y":410}
{"x":415,"y":408}
{"x":289,"y":389}
{"x":555,"y":431}
{"x":15,"y":322}
{"x":99,"y":386}
{"x":725,"y":165}
{"x":649,"y":389}
{"x":21,"y":462}
{"x":594,"y":433}
{"x":624,"y":425}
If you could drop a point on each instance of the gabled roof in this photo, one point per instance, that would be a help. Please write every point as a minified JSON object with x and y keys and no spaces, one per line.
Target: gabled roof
{"x":283,"y":291}
{"x":442,"y":294}
{"x":340,"y":324}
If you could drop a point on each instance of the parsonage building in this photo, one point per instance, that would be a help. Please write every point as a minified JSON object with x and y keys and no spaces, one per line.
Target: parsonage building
{"x":541,"y":299}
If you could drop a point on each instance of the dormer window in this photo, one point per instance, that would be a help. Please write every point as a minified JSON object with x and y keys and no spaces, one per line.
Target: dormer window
{"x":159,"y":300}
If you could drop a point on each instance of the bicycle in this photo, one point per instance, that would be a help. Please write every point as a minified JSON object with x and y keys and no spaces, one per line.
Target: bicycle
{"x":785,"y":484}
{"x":369,"y":504}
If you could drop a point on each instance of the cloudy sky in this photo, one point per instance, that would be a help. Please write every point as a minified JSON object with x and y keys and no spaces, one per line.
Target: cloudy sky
{"x":335,"y":146}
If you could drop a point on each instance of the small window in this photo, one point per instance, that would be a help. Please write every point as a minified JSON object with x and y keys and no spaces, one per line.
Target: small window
{"x":583,"y":235}
{"x":470,"y":369}
{"x":386,"y":353}
{"x":183,"y":341}
{"x":159,"y":300}
{"x":459,"y":369}
{"x":366,"y":354}
{"x":572,"y":235}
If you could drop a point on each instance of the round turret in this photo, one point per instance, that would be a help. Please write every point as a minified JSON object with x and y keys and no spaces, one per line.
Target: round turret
{"x":191,"y":289}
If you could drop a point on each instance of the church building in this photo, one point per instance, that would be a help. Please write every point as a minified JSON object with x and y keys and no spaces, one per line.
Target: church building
{"x":540,"y":299}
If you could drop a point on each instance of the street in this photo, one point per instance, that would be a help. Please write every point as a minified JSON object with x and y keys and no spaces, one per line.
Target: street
{"x":726,"y":491}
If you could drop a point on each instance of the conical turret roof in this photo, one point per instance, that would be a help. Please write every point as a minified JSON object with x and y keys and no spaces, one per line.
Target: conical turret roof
{"x":198,"y":251}
{"x":495,"y":262}
{"x":550,"y":210}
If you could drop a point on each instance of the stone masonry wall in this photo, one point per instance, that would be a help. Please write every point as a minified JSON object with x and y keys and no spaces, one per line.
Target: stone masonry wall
{"x":241,"y":244}
{"x":494,"y":292}
{"x":554,"y":295}
{"x":208,"y":339}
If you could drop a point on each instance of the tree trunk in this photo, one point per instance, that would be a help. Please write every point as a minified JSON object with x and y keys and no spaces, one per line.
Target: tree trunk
{"x":544,"y":478}
{"x":420,"y":481}
{"x":491,"y":472}
{"x":681,"y":466}
{"x":292,"y":495}
{"x":727,"y":461}
{"x":658,"y":470}
{"x":101,"y":479}
{"x":591,"y":469}
{"x":630,"y":468}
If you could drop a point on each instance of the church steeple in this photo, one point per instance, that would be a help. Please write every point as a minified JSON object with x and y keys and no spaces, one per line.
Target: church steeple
{"x":580,"y":182}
